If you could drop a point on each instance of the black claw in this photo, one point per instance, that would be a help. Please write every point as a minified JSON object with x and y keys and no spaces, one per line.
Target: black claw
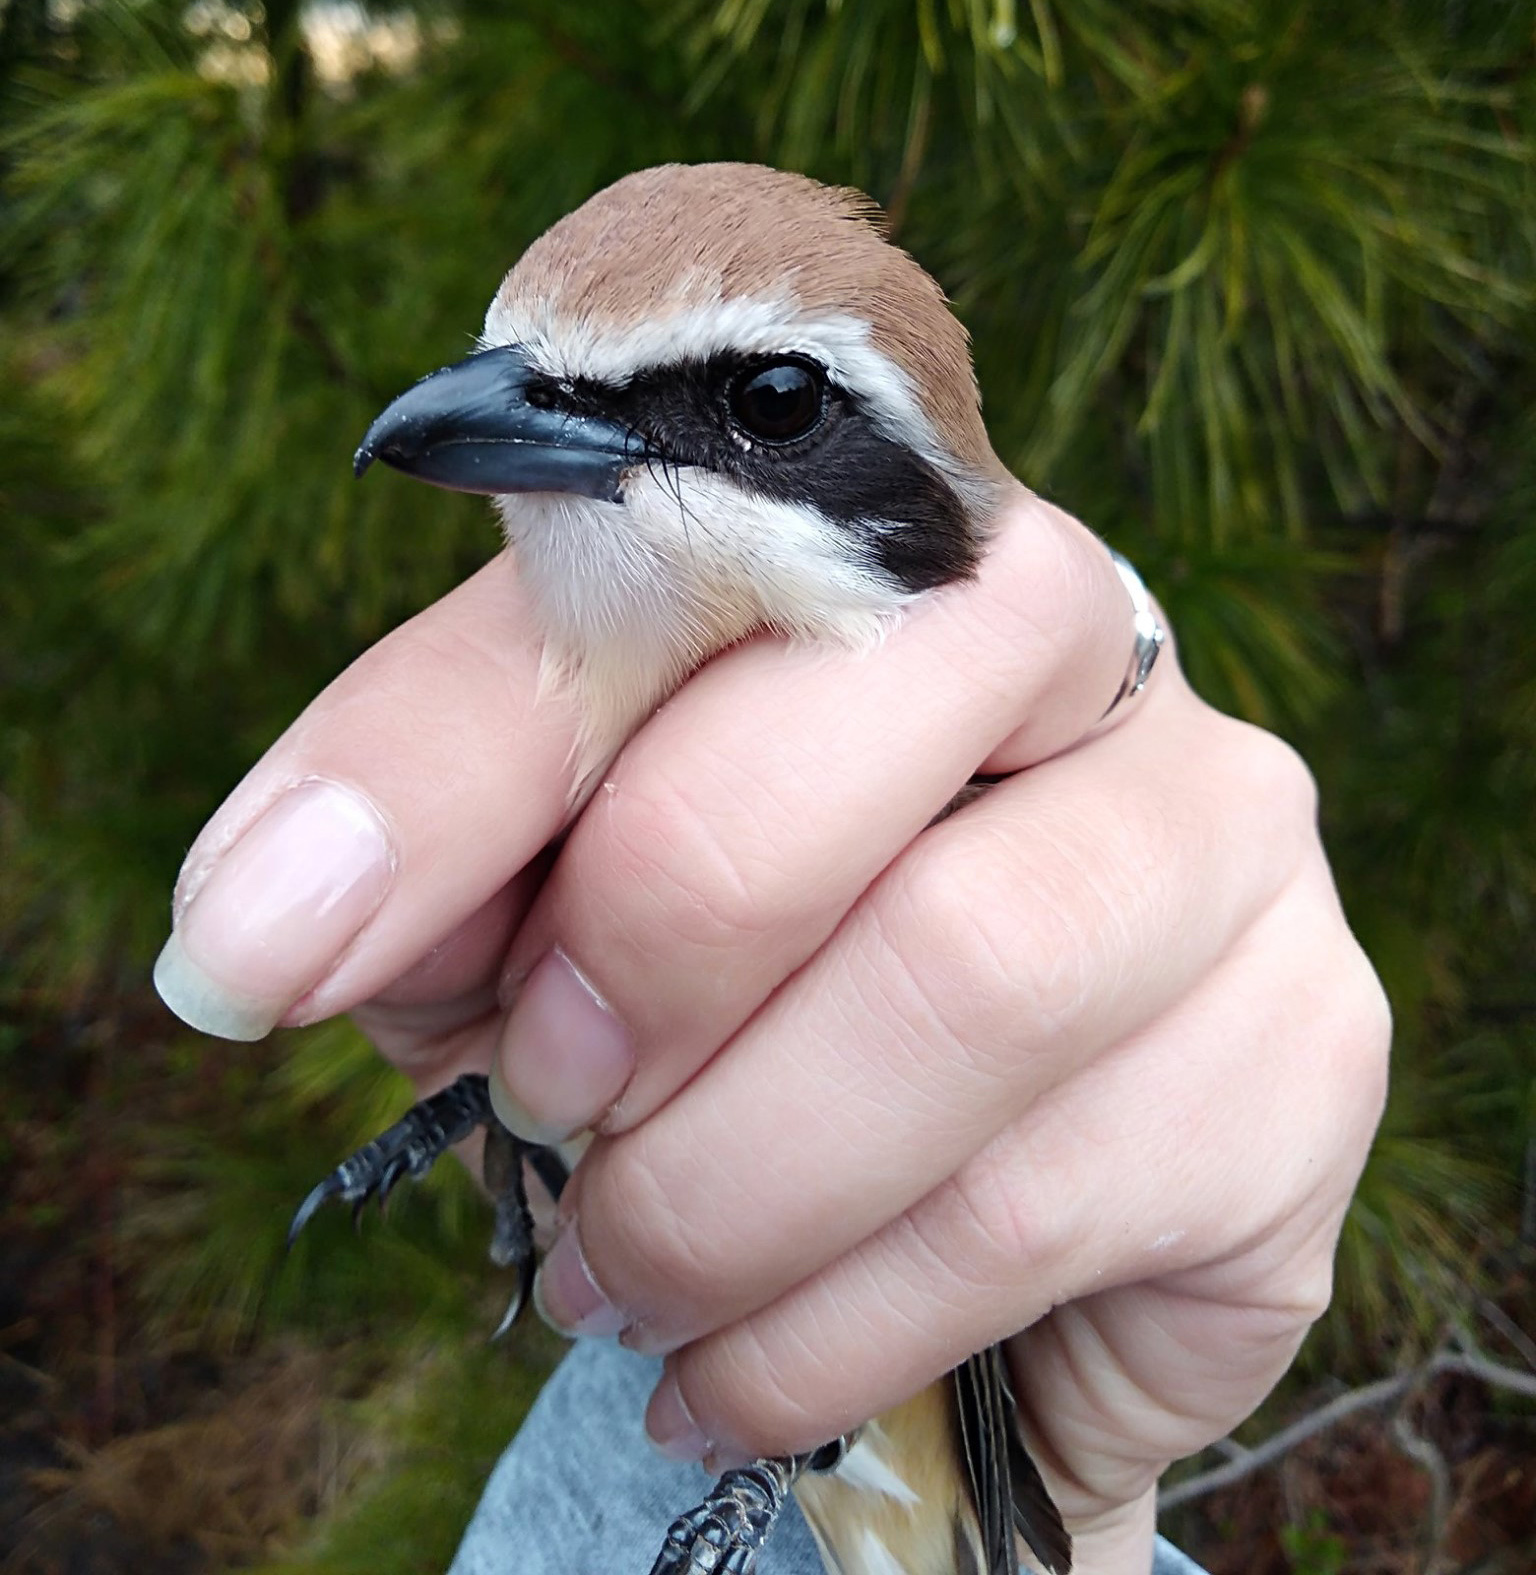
{"x":520,"y":1298}
{"x":551,"y":1169}
{"x":408,"y":1148}
{"x":320,"y":1194}
{"x":392,"y":1174}
{"x":508,"y":1318}
{"x":411,"y":1147}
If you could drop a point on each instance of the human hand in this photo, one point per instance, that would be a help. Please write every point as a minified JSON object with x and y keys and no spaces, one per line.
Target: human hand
{"x":1096,"y":1058}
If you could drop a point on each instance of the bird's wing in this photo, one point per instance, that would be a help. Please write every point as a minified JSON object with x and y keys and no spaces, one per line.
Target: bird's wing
{"x":1009,"y":1495}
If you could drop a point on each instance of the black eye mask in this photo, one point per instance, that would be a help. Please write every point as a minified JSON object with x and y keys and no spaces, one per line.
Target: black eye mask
{"x":902,"y":517}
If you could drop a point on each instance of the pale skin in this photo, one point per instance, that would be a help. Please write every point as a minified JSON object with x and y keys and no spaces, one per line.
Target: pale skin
{"x":1096,"y":1059}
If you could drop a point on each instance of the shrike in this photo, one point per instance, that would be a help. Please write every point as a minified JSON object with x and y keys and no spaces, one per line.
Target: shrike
{"x":716,"y":399}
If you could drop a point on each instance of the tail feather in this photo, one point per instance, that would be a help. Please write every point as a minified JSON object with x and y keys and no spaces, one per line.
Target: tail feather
{"x":941,"y":1485}
{"x":1010,"y":1495}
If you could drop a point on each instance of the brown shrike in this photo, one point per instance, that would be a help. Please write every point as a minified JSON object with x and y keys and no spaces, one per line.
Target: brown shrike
{"x":714,"y":400}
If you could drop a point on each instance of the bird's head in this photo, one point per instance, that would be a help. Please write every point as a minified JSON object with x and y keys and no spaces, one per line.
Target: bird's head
{"x":713,"y":399}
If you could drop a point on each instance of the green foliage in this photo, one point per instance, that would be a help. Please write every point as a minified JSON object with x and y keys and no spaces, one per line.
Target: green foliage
{"x":1313,"y":1549}
{"x":1252,"y":290}
{"x":208,"y":1231}
{"x":446,"y":1423}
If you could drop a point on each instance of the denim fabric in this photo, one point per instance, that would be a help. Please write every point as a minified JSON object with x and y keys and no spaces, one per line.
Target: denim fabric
{"x":581,"y":1492}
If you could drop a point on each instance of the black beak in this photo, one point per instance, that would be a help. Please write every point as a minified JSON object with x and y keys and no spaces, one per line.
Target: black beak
{"x":471,"y":428}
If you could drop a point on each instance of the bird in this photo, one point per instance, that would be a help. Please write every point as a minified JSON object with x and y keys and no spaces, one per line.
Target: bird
{"x":714,"y":400}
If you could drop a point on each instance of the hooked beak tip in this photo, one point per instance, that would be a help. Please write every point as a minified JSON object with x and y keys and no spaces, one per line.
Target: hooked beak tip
{"x":471,"y":427}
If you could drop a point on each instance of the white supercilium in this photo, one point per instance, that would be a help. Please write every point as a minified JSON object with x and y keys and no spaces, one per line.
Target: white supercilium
{"x":570,"y":347}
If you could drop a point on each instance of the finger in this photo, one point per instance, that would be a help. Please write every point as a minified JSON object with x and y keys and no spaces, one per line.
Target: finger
{"x":748,"y":816}
{"x":401,"y":801}
{"x":1009,"y":947}
{"x":1205,"y":1157}
{"x":441,"y":1016}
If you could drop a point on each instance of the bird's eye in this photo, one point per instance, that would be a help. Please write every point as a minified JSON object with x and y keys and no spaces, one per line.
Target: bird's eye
{"x":779,"y":403}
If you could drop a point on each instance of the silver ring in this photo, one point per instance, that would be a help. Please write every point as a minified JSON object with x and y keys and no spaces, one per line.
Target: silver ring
{"x":1150,"y":634}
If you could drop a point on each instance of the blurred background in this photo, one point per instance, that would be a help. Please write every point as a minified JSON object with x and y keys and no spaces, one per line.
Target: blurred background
{"x":1252,"y":291}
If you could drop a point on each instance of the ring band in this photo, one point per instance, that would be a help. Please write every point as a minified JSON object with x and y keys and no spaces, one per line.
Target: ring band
{"x":1150,"y":634}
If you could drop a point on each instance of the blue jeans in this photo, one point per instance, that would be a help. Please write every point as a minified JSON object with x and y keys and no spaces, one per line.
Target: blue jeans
{"x":581,"y":1492}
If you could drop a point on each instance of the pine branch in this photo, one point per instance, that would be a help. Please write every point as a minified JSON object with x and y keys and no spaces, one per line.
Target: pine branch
{"x":565,"y":47}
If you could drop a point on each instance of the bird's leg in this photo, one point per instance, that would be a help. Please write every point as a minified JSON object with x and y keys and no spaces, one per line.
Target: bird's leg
{"x":725,"y":1533}
{"x":418,"y":1140}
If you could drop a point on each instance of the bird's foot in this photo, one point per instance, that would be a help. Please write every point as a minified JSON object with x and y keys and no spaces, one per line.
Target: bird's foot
{"x":416,"y":1142}
{"x":725,"y":1533}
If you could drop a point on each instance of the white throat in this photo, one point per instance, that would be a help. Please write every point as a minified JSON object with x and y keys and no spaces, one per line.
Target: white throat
{"x":635,"y":595}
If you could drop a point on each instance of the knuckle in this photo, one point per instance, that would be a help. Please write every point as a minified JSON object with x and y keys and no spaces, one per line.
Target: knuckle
{"x":1363,"y":1031}
{"x":1271,"y":775}
{"x":1070,"y":572}
{"x":666,"y":863}
{"x":1297,"y":1295}
{"x":643,"y":1249}
{"x":1375,"y":1009}
{"x":935,"y":931}
{"x":1073,"y":593}
{"x":768,"y":1394}
{"x":1311,"y":1294}
{"x":942,"y":893}
{"x":1045,"y":591}
{"x":1263,"y":1330}
{"x":991,"y":1233}
{"x":995,"y":943}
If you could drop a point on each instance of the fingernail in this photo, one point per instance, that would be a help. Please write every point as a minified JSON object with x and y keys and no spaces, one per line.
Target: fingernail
{"x":645,"y":1339}
{"x":718,"y":1461}
{"x":512,"y":1114}
{"x":566,"y":1295}
{"x":563,"y":1058}
{"x":671,"y":1425}
{"x":276,"y":911}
